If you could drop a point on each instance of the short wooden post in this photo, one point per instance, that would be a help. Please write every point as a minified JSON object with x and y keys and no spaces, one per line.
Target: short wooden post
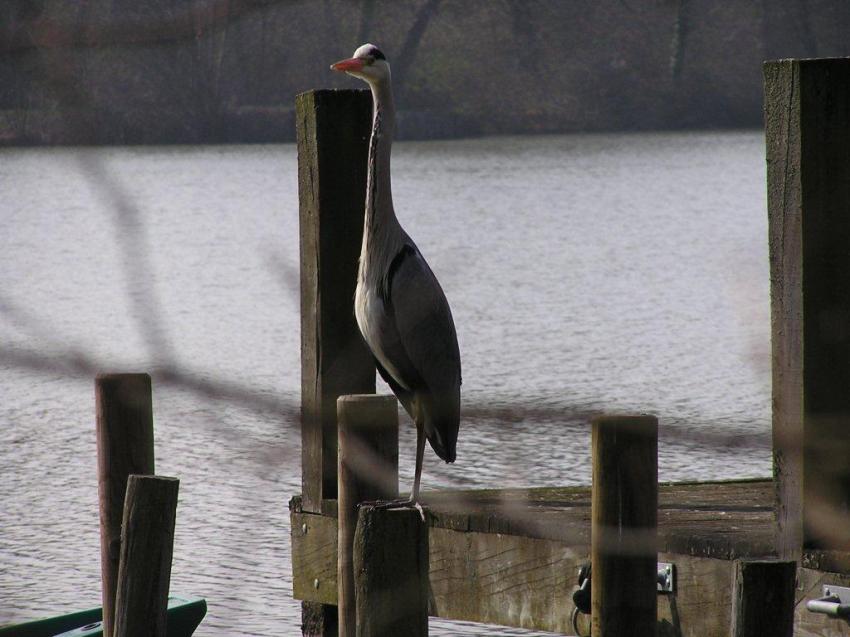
{"x":763,"y":598}
{"x":391,"y":573}
{"x":368,"y":471}
{"x":124,"y":447}
{"x":807,"y":124}
{"x":332,"y":129}
{"x":624,"y":526}
{"x":147,"y":541}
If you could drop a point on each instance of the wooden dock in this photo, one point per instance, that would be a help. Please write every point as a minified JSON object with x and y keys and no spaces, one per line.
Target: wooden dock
{"x":512,"y":556}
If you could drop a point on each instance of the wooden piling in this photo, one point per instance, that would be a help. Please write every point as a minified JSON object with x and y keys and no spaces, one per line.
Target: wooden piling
{"x":807,"y":124}
{"x":332,"y":129}
{"x":124,"y":446}
{"x":624,"y":526}
{"x":763,"y":598}
{"x":147,"y":541}
{"x":368,"y":471}
{"x":333,"y":134}
{"x":391,"y":573}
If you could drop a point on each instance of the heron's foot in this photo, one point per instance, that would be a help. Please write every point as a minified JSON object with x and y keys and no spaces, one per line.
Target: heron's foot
{"x":401,"y":503}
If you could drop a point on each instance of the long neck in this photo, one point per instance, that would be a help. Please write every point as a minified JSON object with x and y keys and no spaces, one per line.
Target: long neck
{"x":381,"y":231}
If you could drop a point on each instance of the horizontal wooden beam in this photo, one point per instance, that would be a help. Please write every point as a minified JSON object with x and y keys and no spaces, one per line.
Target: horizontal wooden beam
{"x":725,"y":520}
{"x":528,"y":583}
{"x":513,"y":580}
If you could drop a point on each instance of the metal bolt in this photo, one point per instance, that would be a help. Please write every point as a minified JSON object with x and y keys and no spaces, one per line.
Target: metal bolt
{"x":304,"y":528}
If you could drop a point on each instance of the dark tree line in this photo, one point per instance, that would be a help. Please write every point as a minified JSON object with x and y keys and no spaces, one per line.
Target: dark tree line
{"x":120,"y":71}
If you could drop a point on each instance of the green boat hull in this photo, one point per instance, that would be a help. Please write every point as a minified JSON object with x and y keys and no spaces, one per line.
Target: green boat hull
{"x":184,"y":615}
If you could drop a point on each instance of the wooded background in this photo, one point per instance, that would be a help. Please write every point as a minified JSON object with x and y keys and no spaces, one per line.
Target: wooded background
{"x":194,"y":71}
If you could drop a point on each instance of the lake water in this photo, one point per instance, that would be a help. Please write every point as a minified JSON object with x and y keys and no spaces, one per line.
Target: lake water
{"x":587,"y":272}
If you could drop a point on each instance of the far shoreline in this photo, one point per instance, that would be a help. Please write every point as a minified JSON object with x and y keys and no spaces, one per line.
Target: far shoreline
{"x":277,"y":125}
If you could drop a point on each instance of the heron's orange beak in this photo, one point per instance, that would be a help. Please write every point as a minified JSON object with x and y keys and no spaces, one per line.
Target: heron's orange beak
{"x":351,"y":64}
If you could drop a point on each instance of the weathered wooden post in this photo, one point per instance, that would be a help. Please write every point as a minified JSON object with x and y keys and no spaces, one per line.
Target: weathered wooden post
{"x":147,"y":542}
{"x":333,"y":130}
{"x":807,"y":125}
{"x":763,"y":598}
{"x":368,"y":471}
{"x":124,"y":446}
{"x":391,"y":573}
{"x":624,"y":518}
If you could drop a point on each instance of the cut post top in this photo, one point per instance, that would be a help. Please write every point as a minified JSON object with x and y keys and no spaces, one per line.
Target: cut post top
{"x":124,"y":390}
{"x":645,"y":424}
{"x":118,"y":376}
{"x":807,"y":61}
{"x":367,"y":407}
{"x":332,"y":93}
{"x":138,"y":478}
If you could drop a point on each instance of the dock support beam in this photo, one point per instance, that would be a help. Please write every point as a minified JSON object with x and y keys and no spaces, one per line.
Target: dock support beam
{"x":807,"y":125}
{"x":624,"y":516}
{"x":368,"y":471}
{"x":147,"y":544}
{"x":332,"y":129}
{"x":124,"y":446}
{"x":763,"y":598}
{"x":391,"y":573}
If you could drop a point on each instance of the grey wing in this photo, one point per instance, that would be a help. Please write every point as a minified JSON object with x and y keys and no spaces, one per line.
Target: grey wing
{"x":426,"y":332}
{"x":405,"y":396}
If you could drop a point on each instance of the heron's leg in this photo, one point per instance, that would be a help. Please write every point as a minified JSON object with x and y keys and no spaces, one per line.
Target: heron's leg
{"x":420,"y":453}
{"x":413,"y":500}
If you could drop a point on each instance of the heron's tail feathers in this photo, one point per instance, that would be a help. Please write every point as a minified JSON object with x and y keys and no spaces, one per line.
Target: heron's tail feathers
{"x":442,"y":449}
{"x":442,"y":421}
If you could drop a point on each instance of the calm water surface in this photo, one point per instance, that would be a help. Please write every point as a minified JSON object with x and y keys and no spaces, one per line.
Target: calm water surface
{"x":617,"y":272}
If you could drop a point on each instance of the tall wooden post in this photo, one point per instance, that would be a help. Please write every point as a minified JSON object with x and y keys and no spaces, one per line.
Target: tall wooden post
{"x":333,"y":134}
{"x":624,"y":520}
{"x":147,"y":544}
{"x":391,"y":573}
{"x":124,"y":446}
{"x":333,"y":129}
{"x":807,"y":127}
{"x":368,"y":471}
{"x":763,"y":598}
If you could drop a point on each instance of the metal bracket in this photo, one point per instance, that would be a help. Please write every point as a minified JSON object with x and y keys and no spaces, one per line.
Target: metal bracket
{"x":665,"y":583}
{"x":834,"y":603}
{"x":666,"y":577}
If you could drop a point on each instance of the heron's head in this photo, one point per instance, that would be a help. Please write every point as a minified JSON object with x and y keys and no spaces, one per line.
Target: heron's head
{"x":368,"y":64}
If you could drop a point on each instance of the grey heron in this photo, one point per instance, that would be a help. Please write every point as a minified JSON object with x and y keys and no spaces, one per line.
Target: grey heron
{"x":400,"y":307}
